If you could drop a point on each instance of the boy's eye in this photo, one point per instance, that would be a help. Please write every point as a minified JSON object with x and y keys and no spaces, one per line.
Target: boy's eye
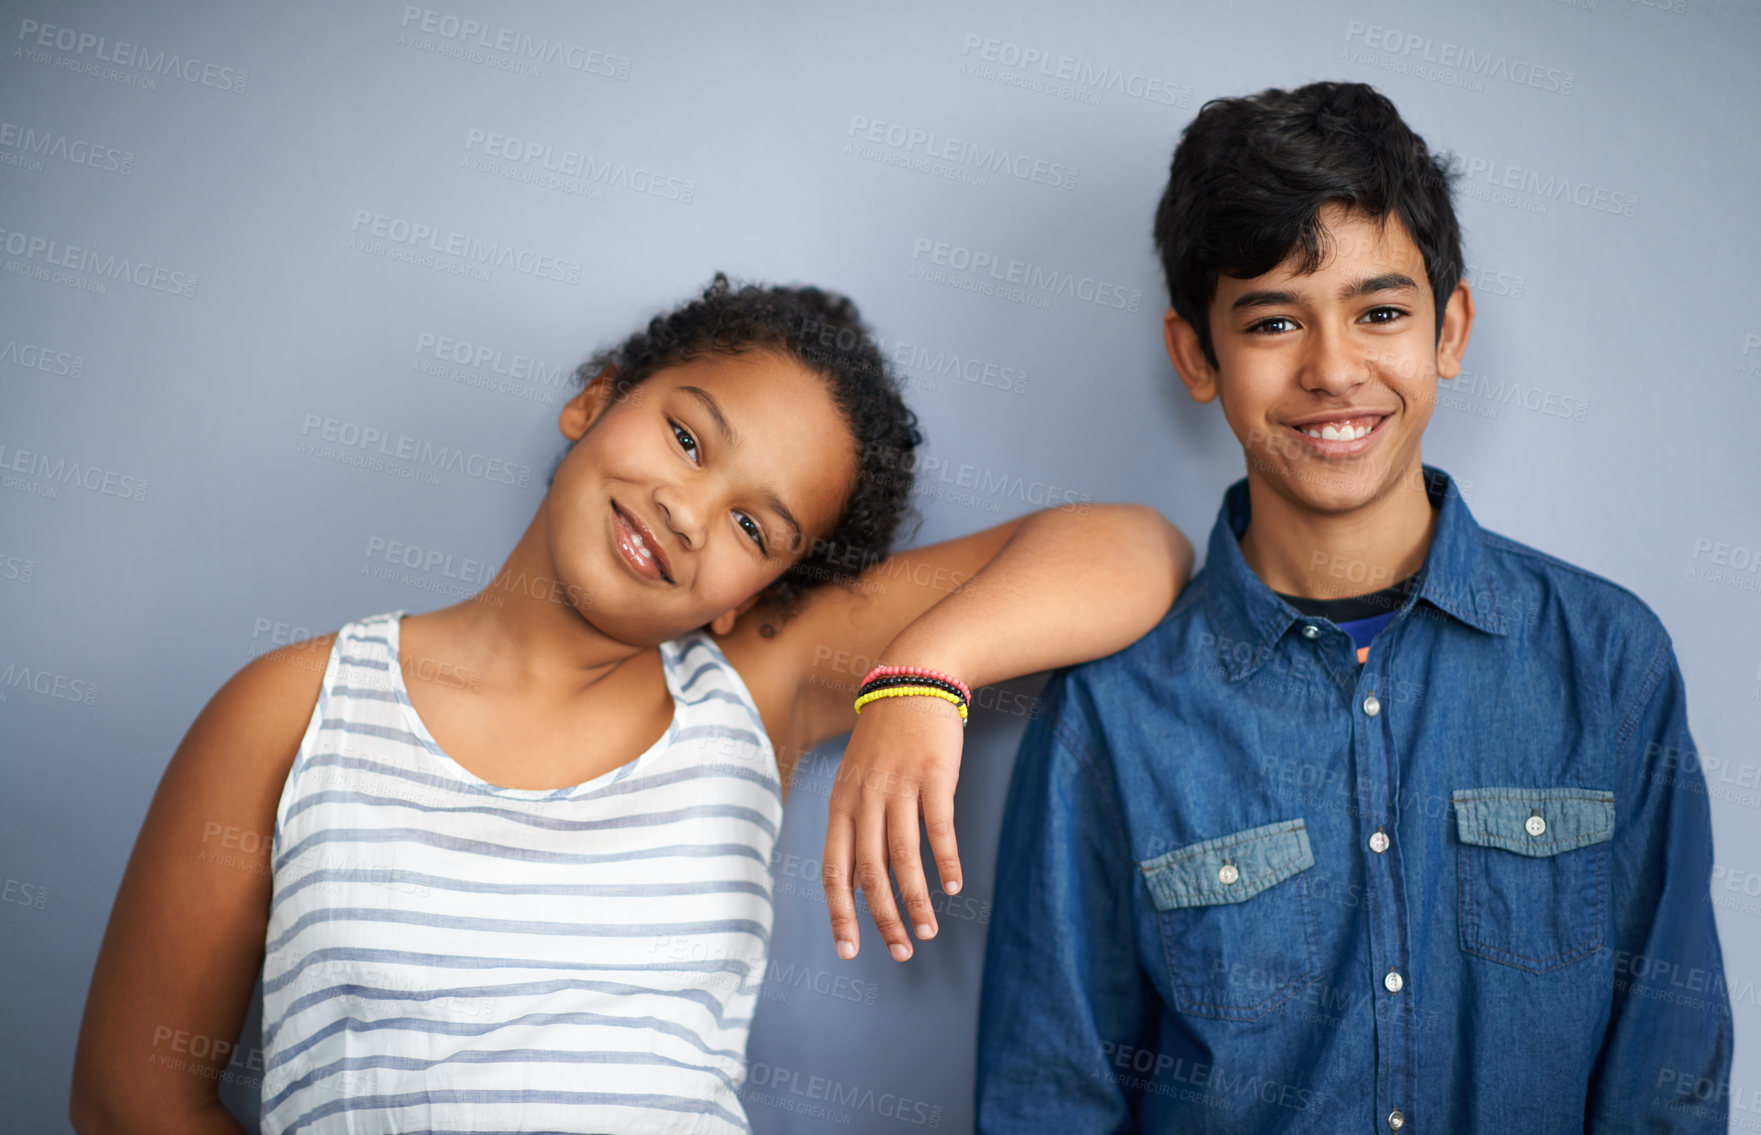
{"x":1393,"y":313}
{"x":685,"y":439}
{"x":754,"y":531}
{"x":1264,"y":326}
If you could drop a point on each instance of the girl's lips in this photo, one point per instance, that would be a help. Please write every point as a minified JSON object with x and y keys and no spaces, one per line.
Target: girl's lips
{"x":630,"y":547}
{"x":1323,"y":447}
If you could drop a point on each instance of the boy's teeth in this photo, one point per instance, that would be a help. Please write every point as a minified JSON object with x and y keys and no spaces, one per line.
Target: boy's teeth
{"x":1330,"y":432}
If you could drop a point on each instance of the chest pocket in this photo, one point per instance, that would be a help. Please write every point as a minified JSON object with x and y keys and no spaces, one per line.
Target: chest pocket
{"x":1237,"y":929}
{"x":1532,"y":874}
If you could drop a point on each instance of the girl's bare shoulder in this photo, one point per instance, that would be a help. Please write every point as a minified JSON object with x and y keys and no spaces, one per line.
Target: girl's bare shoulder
{"x":185,"y":940}
{"x":250,"y":730}
{"x":769,"y":666}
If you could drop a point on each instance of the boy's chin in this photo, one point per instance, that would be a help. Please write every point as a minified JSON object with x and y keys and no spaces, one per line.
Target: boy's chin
{"x":1324,"y":491}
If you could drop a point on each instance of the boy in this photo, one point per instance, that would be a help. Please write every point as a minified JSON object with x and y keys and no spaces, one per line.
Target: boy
{"x":1308,"y":860}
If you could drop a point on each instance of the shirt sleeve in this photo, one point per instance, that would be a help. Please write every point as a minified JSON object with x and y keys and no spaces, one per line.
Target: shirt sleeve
{"x":1063,"y":997}
{"x":1665,"y":1063}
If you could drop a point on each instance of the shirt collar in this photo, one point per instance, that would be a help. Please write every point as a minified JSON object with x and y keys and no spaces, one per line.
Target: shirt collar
{"x":1250,"y":618}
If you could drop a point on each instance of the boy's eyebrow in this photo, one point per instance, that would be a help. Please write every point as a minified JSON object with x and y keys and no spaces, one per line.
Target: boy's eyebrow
{"x":715,"y":411}
{"x":1386,"y":282}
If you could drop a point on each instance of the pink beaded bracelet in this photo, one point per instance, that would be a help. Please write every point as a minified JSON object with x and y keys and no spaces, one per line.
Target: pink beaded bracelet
{"x":918,"y":671}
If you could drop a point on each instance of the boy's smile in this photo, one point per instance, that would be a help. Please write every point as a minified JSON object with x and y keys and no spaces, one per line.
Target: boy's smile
{"x":1342,"y":433}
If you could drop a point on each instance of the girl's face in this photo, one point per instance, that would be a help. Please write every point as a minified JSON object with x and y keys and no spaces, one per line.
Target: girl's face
{"x":694,"y":492}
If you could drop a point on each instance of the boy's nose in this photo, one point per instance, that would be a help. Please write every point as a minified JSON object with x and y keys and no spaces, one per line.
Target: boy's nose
{"x":1333,"y":365}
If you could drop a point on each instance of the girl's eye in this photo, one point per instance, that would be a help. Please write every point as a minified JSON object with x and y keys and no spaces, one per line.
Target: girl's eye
{"x":685,"y":439}
{"x":1264,"y":326}
{"x":754,"y":531}
{"x":1393,"y":313}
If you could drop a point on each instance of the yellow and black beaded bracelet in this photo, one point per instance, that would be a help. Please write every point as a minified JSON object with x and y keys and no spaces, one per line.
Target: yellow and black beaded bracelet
{"x":905,"y":691}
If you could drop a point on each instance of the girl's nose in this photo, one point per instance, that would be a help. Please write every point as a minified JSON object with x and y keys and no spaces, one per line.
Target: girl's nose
{"x":679,"y":515}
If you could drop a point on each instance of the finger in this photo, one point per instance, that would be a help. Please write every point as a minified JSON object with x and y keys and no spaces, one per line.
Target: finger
{"x":938,"y":821}
{"x":836,"y":877}
{"x":871,"y":876}
{"x":903,"y":850}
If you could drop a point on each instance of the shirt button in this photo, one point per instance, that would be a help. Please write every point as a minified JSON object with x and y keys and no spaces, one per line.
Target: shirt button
{"x":1379,"y":841}
{"x":1392,"y":981}
{"x":1535,"y":825}
{"x":1396,"y":1119}
{"x":1309,"y":630}
{"x":1371,"y":706}
{"x":1228,"y":874}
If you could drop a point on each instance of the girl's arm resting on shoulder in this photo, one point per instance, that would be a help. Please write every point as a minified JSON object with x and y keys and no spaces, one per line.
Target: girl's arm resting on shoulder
{"x":184,"y":945}
{"x":1054,"y":588}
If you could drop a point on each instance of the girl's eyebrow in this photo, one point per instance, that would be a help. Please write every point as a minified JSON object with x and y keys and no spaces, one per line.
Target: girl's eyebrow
{"x":782,"y":510}
{"x":713,"y":408}
{"x":715,"y":411}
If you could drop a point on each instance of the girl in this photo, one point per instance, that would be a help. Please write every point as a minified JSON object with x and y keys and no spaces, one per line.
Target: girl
{"x":505,"y":865}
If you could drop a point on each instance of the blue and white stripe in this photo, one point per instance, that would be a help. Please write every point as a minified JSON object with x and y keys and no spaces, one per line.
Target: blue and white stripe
{"x":445,"y":954}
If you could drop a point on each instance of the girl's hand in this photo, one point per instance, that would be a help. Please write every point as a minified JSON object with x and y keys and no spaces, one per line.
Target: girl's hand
{"x":903,"y":760}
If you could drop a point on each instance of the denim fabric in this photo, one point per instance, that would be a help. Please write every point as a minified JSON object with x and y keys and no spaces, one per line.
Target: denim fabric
{"x":1247,"y":885}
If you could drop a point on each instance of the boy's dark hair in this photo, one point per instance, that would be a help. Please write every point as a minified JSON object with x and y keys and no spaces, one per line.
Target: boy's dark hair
{"x":823,"y":331}
{"x":1250,"y":176}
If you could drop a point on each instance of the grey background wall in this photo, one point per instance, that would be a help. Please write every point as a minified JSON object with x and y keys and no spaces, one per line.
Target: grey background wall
{"x":229,"y":231}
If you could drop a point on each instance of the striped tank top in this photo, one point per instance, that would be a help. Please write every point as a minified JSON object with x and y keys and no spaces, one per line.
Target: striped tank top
{"x":445,"y":954}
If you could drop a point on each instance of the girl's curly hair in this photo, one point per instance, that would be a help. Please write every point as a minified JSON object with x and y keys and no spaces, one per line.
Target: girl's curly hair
{"x":823,"y":331}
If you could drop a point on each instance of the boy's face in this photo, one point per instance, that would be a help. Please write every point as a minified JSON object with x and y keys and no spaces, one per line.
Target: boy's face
{"x":1329,"y":379}
{"x":680,"y":502}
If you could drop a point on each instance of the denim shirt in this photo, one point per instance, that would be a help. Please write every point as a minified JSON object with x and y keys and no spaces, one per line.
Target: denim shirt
{"x":1248,"y":885}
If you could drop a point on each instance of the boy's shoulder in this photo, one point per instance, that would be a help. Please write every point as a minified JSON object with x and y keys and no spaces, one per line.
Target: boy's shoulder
{"x":1182,"y":636}
{"x":1530,"y":586}
{"x":1533,"y":597}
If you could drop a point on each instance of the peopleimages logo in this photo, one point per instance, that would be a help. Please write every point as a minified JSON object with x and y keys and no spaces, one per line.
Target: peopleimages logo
{"x":427,"y":238}
{"x":35,"y":356}
{"x":128,"y":56}
{"x":1414,"y":47}
{"x":43,"y":255}
{"x":520,"y":46}
{"x":47,"y":472}
{"x":1065,"y":75}
{"x":986,"y":267}
{"x":1550,"y":186}
{"x":962,"y":154}
{"x":541,"y":157}
{"x":349,"y":442}
{"x":30,"y":145}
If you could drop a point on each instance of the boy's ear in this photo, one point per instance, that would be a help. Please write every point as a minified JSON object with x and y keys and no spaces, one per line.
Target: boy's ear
{"x":724,"y":622}
{"x":1458,"y":320}
{"x":584,"y":408}
{"x":1188,"y":357}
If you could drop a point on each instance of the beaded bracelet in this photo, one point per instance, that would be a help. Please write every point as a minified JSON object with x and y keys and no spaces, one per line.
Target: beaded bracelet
{"x":903,"y":691}
{"x":918,"y":672}
{"x":908,"y":680}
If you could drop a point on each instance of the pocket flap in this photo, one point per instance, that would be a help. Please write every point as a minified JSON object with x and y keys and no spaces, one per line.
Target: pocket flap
{"x":1230,"y":868}
{"x":1534,"y":821}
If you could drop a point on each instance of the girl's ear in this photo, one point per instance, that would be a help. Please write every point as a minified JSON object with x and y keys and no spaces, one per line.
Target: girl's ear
{"x":584,"y":409}
{"x":724,"y":622}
